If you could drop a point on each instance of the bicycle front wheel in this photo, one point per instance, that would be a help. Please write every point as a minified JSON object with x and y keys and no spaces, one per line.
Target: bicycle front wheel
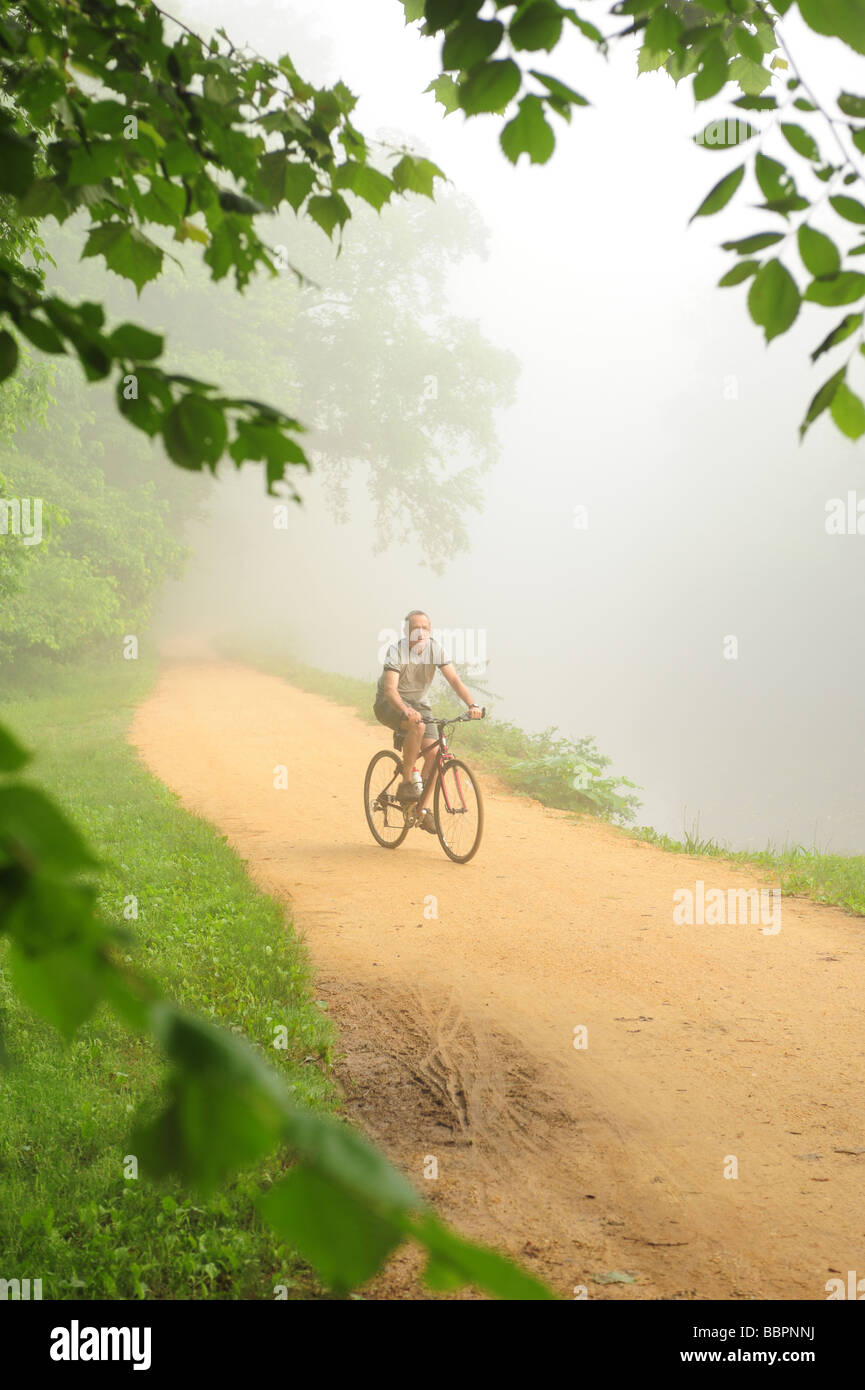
{"x":459,"y":811}
{"x":384,"y":815}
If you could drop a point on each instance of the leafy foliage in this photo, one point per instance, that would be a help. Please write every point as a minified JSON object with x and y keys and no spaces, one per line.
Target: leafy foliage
{"x":106,"y":548}
{"x":721,"y":46}
{"x":105,"y":115}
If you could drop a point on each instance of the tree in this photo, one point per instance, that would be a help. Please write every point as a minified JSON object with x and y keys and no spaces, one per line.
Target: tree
{"x":488,"y":68}
{"x":105,"y":548}
{"x":103,"y":114}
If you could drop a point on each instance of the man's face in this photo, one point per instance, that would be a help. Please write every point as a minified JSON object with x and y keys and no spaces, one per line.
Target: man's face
{"x":419,"y":633}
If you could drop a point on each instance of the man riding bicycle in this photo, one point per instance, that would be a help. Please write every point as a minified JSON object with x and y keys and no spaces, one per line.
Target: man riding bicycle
{"x":401,"y":705}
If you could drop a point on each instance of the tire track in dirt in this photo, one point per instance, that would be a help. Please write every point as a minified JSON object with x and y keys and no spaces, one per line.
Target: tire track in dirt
{"x":703,"y":1041}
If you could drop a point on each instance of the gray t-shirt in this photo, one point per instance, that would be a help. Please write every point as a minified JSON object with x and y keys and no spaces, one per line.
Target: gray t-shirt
{"x":416,"y":672}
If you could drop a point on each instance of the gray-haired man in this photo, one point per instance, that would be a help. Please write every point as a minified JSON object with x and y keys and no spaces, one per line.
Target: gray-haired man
{"x":401,"y":703}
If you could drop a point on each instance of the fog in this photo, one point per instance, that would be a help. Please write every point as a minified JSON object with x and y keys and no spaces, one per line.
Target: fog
{"x":645,"y":396}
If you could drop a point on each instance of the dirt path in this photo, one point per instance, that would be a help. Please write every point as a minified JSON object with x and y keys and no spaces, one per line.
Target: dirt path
{"x":704,"y":1042}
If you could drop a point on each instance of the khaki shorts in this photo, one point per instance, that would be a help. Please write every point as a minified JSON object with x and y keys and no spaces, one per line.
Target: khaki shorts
{"x":390,"y":716}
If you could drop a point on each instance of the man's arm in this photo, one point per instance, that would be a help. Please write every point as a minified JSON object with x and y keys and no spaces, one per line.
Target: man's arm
{"x":452,"y":677}
{"x":391,"y":680}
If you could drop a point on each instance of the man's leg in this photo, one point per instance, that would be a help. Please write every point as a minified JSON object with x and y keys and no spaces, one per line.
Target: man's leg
{"x":411,"y":746}
{"x":430,"y":752}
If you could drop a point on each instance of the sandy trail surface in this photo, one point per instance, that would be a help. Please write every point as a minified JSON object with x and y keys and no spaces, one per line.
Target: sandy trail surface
{"x":707,"y":1047}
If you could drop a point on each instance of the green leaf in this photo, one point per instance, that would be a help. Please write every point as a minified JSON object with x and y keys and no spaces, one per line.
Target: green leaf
{"x":713,"y":71}
{"x":843,"y":288}
{"x":748,"y":44}
{"x":802,"y":142}
{"x":471,"y":42}
{"x":101,"y":160}
{"x":44,"y":199}
{"x":338,"y":1234}
{"x":743,"y":271}
{"x":536,"y":25}
{"x":127,"y":252}
{"x":453,"y":1259}
{"x":364,"y":181}
{"x":271,"y":177}
{"x":491,"y":87}
{"x":225,"y":1107}
{"x":773,"y":299}
{"x":848,"y":325}
{"x":446,"y":91}
{"x":559,"y":89}
{"x":194,"y":432}
{"x":17,"y":156}
{"x":342,"y":1154}
{"x":848,"y":412}
{"x":844,"y":19}
{"x":440,"y":13}
{"x":721,"y":194}
{"x":104,"y":117}
{"x":62,"y":986}
{"x":41,"y":334}
{"x":130,"y":340}
{"x":725,"y":134}
{"x":230,"y":201}
{"x":751,"y":77}
{"x":35,"y":832}
{"x":792,"y":203}
{"x":12,"y":755}
{"x":758,"y":242}
{"x":819,"y":253}
{"x":528,"y":133}
{"x":299,"y":179}
{"x":822,"y":399}
{"x":414,"y":174}
{"x":852,"y":105}
{"x":850,"y":208}
{"x":773,"y":177}
{"x":328,"y":211}
{"x":664,"y":29}
{"x":650,"y":59}
{"x":755,"y":103}
{"x":8,"y":355}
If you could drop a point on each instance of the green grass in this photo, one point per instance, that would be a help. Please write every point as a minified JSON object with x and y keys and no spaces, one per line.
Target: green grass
{"x":542,"y":766}
{"x":69,"y":1214}
{"x":838,"y":879}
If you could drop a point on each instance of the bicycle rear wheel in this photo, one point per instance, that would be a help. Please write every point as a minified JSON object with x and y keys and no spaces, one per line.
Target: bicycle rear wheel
{"x":384,"y":814}
{"x":459,"y":811}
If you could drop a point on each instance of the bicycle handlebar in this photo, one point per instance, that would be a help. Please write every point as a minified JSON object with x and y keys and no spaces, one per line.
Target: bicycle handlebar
{"x":460,"y":719}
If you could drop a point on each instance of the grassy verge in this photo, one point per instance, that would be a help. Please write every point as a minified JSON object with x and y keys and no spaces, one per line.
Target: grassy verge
{"x":838,"y":879}
{"x":70,"y":1211}
{"x":543,"y":766}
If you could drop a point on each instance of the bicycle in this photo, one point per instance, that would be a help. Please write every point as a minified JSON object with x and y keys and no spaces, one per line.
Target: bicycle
{"x":458,"y":807}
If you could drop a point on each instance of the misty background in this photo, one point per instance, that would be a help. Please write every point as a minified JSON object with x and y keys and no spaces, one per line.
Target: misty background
{"x":646,"y":396}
